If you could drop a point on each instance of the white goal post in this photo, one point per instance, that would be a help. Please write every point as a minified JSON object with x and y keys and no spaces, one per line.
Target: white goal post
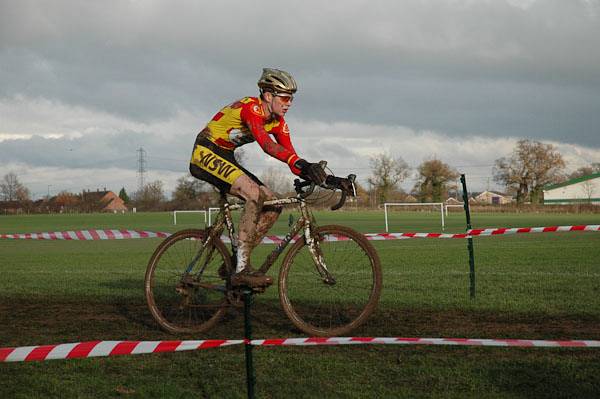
{"x":452,"y":206}
{"x":210,"y":213}
{"x":176,"y":212}
{"x":385,"y":209}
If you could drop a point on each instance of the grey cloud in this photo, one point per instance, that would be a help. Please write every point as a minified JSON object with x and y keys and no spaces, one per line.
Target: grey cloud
{"x":459,"y":67}
{"x":100,"y":151}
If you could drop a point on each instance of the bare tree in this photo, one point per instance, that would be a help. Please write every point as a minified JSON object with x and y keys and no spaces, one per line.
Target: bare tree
{"x":588,"y":190}
{"x":65,"y":200}
{"x":386,"y":173}
{"x":531,"y":166}
{"x":151,"y":196}
{"x":188,"y":188}
{"x":12,"y":190}
{"x":586,"y":170}
{"x":276,"y":180}
{"x":190,"y":193}
{"x":434,"y":179}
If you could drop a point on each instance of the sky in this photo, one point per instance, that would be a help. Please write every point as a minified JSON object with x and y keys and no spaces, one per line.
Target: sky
{"x":84,"y":85}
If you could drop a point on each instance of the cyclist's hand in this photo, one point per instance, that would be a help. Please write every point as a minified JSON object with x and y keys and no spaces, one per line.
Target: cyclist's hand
{"x":311,"y":171}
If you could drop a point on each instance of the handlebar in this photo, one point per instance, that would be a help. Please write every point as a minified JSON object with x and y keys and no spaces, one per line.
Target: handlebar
{"x":345,"y":185}
{"x":350,"y":179}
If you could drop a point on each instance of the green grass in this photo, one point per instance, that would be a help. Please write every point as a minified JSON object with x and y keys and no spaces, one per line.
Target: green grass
{"x":533,"y":286}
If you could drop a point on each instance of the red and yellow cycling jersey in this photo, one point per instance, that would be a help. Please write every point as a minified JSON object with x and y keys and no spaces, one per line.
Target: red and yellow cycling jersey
{"x":243,"y":122}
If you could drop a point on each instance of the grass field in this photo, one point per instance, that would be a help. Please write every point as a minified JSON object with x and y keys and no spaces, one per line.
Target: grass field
{"x":534,"y":286}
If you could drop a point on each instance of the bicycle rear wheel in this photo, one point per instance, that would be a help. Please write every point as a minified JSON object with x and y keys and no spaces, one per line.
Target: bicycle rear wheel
{"x":337,"y":305}
{"x":183,"y":288}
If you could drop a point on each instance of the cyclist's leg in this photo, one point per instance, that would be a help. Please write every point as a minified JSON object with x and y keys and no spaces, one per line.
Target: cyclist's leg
{"x":251,"y":192}
{"x":267,"y":217}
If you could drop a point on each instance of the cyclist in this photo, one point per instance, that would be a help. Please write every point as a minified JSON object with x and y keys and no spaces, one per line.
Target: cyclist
{"x":250,"y":119}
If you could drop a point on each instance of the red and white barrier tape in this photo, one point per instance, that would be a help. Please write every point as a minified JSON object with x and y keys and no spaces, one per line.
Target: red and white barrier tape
{"x":115,"y":348}
{"x":519,"y":230}
{"x":425,"y":341}
{"x":105,"y":348}
{"x":125,"y":234}
{"x":86,"y":235}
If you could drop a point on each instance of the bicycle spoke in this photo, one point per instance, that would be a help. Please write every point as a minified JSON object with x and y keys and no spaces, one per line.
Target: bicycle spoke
{"x":321,"y":308}
{"x":181,"y":301}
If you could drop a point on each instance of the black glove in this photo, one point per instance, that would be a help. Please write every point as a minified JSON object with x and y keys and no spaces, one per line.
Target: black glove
{"x":311,"y":171}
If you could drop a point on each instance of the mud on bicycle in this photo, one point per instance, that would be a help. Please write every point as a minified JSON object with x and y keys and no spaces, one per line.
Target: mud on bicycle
{"x":329,"y":281}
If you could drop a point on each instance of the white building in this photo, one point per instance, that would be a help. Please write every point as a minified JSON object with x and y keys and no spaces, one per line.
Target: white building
{"x":493,"y":197}
{"x":585,"y":189}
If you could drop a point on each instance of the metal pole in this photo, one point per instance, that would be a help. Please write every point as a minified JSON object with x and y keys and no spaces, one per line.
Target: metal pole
{"x":442,"y":210}
{"x":470,"y":239}
{"x":386,"y":217}
{"x":250,"y":378}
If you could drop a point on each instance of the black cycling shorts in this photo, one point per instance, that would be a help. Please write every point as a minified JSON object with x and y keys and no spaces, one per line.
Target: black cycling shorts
{"x":216,"y":165}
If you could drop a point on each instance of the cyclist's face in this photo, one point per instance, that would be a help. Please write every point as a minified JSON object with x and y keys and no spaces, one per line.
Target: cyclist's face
{"x":280,"y":103}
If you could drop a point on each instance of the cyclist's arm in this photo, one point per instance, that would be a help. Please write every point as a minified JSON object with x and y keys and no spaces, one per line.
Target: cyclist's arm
{"x":282,"y":136}
{"x":281,"y":149}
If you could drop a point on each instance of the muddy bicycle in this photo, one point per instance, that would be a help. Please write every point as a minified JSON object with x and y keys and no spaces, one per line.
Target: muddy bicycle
{"x":329,"y":280}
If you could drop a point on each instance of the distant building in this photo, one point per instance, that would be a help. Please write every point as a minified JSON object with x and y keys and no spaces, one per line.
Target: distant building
{"x":452,"y":201}
{"x":105,"y":201}
{"x":494,"y":198}
{"x":14,"y":207}
{"x":582,"y":190}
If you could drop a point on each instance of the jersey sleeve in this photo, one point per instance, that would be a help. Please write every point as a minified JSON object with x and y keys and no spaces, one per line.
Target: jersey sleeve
{"x":282,"y":136}
{"x":282,"y":148}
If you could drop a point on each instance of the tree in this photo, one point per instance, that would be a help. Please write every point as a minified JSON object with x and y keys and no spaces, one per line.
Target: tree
{"x":531,"y":166}
{"x":588,"y":190}
{"x":151,"y":196}
{"x":123,"y":195}
{"x":586,"y":170}
{"x":65,"y":200}
{"x":276,"y":180}
{"x":188,"y":189}
{"x":434,"y":180}
{"x":386,"y":174}
{"x":12,"y":190}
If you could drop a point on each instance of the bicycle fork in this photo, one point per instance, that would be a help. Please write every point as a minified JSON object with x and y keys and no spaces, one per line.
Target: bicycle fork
{"x":314,"y":247}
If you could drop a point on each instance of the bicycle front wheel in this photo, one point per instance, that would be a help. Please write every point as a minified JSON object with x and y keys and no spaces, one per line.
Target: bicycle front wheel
{"x":185,"y":284}
{"x":336,"y":301}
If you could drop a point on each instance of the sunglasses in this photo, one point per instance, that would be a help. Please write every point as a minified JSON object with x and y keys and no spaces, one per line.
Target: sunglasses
{"x":285,"y":98}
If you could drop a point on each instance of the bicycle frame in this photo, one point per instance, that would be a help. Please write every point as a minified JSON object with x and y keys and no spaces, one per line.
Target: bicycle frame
{"x":305,"y":222}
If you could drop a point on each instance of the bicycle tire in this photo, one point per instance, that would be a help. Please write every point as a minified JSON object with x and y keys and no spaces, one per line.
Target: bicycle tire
{"x":181,"y":308}
{"x":321,"y":309}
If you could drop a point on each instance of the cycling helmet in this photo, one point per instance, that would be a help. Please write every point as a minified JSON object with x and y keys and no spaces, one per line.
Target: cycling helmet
{"x":277,"y":81}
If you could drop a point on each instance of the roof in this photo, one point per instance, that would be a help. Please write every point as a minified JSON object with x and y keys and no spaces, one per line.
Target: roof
{"x":492,"y":192}
{"x":94,"y":195}
{"x":573,"y":181}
